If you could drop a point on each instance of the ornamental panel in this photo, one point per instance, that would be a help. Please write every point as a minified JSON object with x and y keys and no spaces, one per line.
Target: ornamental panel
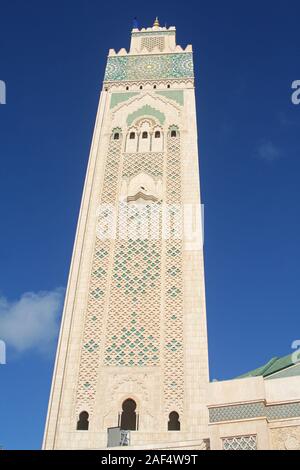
{"x":152,"y":67}
{"x":236,"y":412}
{"x":173,"y":310}
{"x":117,"y":98}
{"x":133,"y":329}
{"x":288,"y":410}
{"x":149,"y":43}
{"x":240,"y":443}
{"x":254,"y":410}
{"x":92,"y":334}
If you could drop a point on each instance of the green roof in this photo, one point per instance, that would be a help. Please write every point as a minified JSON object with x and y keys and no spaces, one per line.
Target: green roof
{"x":275,"y":365}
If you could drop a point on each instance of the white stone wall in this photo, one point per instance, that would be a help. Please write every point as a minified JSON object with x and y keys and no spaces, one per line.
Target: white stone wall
{"x":246,"y":413}
{"x":271,"y":430}
{"x":89,"y":383}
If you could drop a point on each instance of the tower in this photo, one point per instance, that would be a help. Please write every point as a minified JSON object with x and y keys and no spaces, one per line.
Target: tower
{"x":132,"y":351}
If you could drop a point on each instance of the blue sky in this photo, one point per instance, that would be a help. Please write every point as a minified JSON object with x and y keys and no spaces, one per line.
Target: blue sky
{"x":52,"y":58}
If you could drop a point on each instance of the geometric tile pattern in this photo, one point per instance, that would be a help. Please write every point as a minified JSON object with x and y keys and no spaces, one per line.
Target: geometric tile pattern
{"x":254,"y":410}
{"x":88,"y":369}
{"x":150,"y":163}
{"x":146,"y":110}
{"x":240,"y":443}
{"x":117,"y":98}
{"x":288,"y":410}
{"x":235,"y":412}
{"x":149,"y":67}
{"x":133,"y":329}
{"x":175,"y":95}
{"x":127,"y":279}
{"x":173,"y":309}
{"x":149,"y":43}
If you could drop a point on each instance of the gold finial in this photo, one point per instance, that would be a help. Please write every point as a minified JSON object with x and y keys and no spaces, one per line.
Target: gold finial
{"x":156,"y":23}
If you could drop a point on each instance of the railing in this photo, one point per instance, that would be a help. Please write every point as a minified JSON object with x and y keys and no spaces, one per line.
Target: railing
{"x":117,"y":437}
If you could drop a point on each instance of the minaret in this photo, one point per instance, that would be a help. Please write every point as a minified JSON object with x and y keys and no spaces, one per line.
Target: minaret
{"x":132,"y":351}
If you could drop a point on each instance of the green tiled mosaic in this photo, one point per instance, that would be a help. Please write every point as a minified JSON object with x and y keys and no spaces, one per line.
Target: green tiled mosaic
{"x":133,"y":348}
{"x":136,"y":272}
{"x":149,"y":67}
{"x":117,"y":98}
{"x":231,"y":413}
{"x":97,"y":293}
{"x":91,"y":346}
{"x":175,"y":95}
{"x":254,"y":410}
{"x":174,"y":345}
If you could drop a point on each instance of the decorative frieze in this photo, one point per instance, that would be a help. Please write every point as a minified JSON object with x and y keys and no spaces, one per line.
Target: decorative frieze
{"x":153,"y":67}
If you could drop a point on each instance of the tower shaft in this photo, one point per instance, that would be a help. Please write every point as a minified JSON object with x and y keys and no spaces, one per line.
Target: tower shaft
{"x":133,"y":344}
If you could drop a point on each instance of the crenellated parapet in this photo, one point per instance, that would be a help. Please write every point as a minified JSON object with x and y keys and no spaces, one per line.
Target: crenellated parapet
{"x":154,"y":50}
{"x":153,"y":55}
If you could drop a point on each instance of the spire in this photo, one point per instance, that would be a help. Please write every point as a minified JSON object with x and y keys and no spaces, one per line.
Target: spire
{"x":156,"y":23}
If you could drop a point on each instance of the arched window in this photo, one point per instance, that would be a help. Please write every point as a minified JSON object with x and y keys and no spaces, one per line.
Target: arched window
{"x":169,"y":86}
{"x":132,"y":135}
{"x":173,"y":133}
{"x":127,"y":88}
{"x":173,"y":423}
{"x":128,"y":417}
{"x":141,"y":87}
{"x":116,"y":136}
{"x":154,"y":86}
{"x":157,"y":134}
{"x":145,"y":135}
{"x":83,"y":422}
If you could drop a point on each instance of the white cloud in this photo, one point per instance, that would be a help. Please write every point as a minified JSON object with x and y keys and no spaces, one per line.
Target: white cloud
{"x":32,"y":321}
{"x":269,"y":152}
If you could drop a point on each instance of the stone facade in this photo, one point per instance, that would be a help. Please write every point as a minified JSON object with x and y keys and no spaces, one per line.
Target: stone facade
{"x":134,"y":321}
